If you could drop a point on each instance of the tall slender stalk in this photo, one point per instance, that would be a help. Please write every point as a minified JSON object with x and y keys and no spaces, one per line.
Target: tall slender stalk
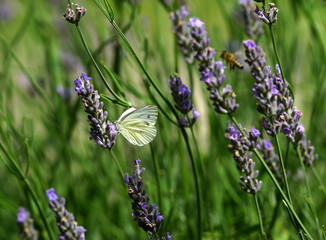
{"x":278,"y":59}
{"x":261,"y":225}
{"x":157,"y":176}
{"x":275,"y":50}
{"x":116,"y":162}
{"x":197,"y":184}
{"x":320,"y":182}
{"x":280,"y":155}
{"x":309,"y":200}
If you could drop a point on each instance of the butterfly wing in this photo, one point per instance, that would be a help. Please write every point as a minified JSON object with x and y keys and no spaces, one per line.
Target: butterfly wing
{"x":137,"y":125}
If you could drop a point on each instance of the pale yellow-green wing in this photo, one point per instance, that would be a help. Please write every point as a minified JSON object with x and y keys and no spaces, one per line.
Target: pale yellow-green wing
{"x":138,"y":125}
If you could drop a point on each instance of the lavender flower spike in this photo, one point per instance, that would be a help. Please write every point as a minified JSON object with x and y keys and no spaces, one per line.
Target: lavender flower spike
{"x":102,"y":131}
{"x":276,"y":103}
{"x":266,"y":149}
{"x":26,"y":225}
{"x":147,"y":216}
{"x":182,"y":32}
{"x":253,"y":25}
{"x":181,"y":95}
{"x":193,"y":40}
{"x":69,"y":230}
{"x":270,"y":16}
{"x":241,"y":148}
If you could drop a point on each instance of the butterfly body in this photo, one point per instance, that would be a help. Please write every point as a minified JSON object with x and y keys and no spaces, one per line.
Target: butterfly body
{"x":138,"y":125}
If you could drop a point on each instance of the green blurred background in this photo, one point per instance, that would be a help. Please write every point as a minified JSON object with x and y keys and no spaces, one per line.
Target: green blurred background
{"x":48,"y":135}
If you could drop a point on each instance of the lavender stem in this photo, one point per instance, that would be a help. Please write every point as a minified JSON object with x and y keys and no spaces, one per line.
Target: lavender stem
{"x":116,"y":162}
{"x":320,"y":182}
{"x":310,"y":200}
{"x":262,"y":231}
{"x":197,"y":185}
{"x":157,"y":177}
{"x":283,"y":168}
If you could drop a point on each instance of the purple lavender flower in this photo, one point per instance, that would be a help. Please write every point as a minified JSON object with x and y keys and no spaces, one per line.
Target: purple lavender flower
{"x":276,"y":103}
{"x":65,"y":220}
{"x":102,"y":131}
{"x":147,"y":216}
{"x":307,"y":151}
{"x":241,"y":148}
{"x":193,"y":41}
{"x":269,"y":17}
{"x":266,"y":149}
{"x":26,"y":225}
{"x":181,"y":29}
{"x":253,"y":26}
{"x":74,"y":16}
{"x":181,"y":95}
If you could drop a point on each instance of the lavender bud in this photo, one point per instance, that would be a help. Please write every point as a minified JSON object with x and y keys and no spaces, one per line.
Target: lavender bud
{"x":181,"y":95}
{"x":74,"y":16}
{"x":253,"y":26}
{"x":182,"y":32}
{"x":26,"y":225}
{"x":266,"y":149}
{"x":270,"y":16}
{"x":69,"y":230}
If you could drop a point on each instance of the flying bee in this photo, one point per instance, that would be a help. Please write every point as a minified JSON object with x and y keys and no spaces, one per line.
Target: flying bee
{"x":231,"y":59}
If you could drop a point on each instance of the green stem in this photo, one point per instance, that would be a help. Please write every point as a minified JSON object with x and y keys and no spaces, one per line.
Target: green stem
{"x":191,"y":77}
{"x":30,"y":190}
{"x":278,"y":59}
{"x":116,"y":162}
{"x":275,"y":214}
{"x":284,"y":176}
{"x":197,"y":185}
{"x":262,"y":232}
{"x":124,"y":29}
{"x":320,"y":182}
{"x":131,"y":50}
{"x":283,"y":168}
{"x":275,"y":49}
{"x":157,"y":176}
{"x":310,"y":200}
{"x":285,"y":199}
{"x":201,"y":164}
{"x":120,"y":100}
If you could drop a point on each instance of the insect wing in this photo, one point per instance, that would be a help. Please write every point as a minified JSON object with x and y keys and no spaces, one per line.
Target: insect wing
{"x":147,"y":114}
{"x":137,"y":132}
{"x":137,"y":125}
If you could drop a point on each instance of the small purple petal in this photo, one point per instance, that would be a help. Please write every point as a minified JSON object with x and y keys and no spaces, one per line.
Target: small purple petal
{"x":51,"y":195}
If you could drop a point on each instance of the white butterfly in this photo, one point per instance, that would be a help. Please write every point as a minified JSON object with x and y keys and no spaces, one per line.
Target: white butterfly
{"x":137,"y":125}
